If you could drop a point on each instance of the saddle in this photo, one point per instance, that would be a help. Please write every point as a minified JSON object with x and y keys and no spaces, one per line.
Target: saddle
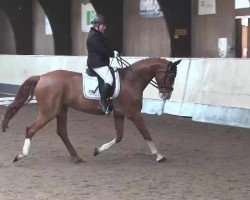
{"x":92,"y":83}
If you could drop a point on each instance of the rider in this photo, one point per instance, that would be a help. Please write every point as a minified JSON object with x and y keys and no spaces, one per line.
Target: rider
{"x":98,"y":57}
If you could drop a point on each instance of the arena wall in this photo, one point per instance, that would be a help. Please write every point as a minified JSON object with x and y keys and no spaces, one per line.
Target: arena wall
{"x":208,"y":90}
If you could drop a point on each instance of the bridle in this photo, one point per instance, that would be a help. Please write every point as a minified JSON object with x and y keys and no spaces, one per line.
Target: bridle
{"x":162,"y":83}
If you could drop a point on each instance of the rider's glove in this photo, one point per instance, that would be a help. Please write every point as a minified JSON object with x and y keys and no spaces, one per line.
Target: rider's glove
{"x":116,"y":54}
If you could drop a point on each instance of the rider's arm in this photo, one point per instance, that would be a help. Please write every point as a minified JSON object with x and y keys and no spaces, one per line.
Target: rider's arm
{"x":99,"y":46}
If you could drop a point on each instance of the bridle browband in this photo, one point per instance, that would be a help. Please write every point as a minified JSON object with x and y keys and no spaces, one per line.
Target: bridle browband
{"x":162,"y":82}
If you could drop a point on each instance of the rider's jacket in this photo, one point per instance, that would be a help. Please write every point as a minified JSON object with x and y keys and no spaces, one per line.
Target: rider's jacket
{"x":98,"y":50}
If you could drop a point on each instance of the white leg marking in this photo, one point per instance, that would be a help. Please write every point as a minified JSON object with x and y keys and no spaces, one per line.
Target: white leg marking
{"x":152,"y":147}
{"x":154,"y":150}
{"x":26,"y":147}
{"x":106,"y":146}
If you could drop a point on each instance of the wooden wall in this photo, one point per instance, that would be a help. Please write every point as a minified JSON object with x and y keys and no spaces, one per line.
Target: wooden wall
{"x":206,"y":29}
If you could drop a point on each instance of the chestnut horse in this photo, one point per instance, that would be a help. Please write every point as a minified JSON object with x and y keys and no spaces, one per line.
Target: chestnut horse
{"x":57,"y":90}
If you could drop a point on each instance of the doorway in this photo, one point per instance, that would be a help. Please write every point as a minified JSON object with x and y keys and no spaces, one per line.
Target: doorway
{"x":242,"y":35}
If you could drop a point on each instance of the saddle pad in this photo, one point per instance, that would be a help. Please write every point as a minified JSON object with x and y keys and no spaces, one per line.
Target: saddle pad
{"x":90,"y":86}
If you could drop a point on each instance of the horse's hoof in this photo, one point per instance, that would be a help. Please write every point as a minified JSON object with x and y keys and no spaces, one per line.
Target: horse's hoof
{"x":4,"y":124}
{"x":96,"y":152}
{"x":16,"y":158}
{"x":161,"y":159}
{"x":4,"y":128}
{"x":78,"y":160}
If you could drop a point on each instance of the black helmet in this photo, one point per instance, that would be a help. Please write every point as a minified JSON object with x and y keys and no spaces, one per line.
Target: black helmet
{"x":100,"y":19}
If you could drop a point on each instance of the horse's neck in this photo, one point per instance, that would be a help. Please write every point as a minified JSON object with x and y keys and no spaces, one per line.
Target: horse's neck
{"x":139,"y":77}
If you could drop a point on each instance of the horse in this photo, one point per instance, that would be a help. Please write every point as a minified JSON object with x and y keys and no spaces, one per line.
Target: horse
{"x":58,"y":90}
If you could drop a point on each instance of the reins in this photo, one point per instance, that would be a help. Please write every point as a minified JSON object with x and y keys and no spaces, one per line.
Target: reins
{"x":123,"y":62}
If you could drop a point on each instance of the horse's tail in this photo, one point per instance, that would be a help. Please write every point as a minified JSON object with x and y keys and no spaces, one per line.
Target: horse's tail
{"x":23,"y":96}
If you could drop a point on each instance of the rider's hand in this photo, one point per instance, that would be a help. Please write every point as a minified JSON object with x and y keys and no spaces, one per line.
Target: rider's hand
{"x":116,"y":54}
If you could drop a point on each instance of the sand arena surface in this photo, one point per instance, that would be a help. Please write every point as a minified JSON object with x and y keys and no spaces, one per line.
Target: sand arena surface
{"x":204,"y":161}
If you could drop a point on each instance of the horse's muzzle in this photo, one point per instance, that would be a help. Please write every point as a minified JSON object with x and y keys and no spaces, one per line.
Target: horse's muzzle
{"x":165,"y":95}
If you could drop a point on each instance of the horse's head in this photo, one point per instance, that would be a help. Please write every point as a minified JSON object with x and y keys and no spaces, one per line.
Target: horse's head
{"x":165,"y":79}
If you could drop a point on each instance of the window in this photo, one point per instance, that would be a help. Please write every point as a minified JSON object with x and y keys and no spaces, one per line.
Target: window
{"x":242,"y":4}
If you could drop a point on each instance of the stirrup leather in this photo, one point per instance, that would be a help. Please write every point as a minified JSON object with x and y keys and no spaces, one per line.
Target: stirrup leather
{"x":105,"y":108}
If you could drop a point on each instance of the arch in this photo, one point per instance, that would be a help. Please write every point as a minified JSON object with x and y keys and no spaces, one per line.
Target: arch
{"x":20,"y":16}
{"x":7,"y":39}
{"x":42,"y":43}
{"x":59,"y":15}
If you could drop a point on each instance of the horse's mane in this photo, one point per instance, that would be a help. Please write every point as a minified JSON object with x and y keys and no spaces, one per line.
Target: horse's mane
{"x":148,"y":61}
{"x":143,"y":62}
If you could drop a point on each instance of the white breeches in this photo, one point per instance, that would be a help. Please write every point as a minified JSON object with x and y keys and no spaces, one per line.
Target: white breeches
{"x":105,"y":74}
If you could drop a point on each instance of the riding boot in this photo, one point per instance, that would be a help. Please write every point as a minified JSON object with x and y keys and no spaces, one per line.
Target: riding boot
{"x":105,"y":94}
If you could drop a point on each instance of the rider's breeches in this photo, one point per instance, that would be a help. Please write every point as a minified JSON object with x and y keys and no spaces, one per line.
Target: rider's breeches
{"x":105,"y":74}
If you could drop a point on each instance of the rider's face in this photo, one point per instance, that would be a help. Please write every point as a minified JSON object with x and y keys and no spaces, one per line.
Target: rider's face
{"x":102,"y":28}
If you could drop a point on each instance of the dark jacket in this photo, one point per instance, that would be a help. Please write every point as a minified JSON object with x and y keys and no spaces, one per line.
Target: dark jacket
{"x":98,"y":50}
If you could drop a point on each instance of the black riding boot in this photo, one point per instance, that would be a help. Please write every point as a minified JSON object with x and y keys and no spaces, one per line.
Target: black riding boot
{"x":105,"y":94}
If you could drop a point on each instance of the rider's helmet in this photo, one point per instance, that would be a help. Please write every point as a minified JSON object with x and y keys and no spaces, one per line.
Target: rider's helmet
{"x":100,"y":19}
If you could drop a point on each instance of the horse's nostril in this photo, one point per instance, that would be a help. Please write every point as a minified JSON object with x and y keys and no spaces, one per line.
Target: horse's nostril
{"x":165,"y":96}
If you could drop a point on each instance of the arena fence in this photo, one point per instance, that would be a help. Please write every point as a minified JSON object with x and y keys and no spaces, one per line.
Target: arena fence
{"x":212,"y":90}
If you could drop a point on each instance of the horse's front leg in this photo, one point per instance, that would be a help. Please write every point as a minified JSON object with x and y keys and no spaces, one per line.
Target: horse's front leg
{"x":119,"y":126}
{"x":139,"y":123}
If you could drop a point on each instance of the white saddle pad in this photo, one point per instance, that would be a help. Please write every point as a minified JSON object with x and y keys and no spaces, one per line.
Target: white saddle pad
{"x":90,"y":86}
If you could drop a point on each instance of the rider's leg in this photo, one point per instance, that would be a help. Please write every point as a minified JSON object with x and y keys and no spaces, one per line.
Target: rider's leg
{"x":105,"y":74}
{"x":105,"y":94}
{"x":106,"y":89}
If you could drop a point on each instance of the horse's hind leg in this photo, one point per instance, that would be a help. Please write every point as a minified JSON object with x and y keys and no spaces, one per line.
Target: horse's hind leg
{"x":119,"y":126}
{"x":139,"y":123}
{"x":30,"y":132}
{"x":62,"y":132}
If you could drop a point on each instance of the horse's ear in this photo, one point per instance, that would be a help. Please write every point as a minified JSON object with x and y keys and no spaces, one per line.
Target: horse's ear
{"x":177,"y":62}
